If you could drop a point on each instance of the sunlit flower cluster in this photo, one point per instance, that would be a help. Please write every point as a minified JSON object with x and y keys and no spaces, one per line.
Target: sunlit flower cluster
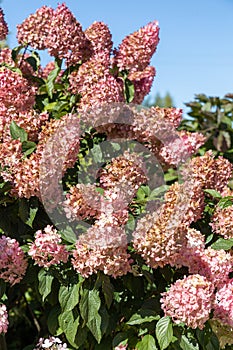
{"x":47,"y":249}
{"x":15,"y":91}
{"x":3,"y":319}
{"x":3,"y":26}
{"x":13,"y":263}
{"x":136,"y":50}
{"x":51,"y":343}
{"x":189,"y":300}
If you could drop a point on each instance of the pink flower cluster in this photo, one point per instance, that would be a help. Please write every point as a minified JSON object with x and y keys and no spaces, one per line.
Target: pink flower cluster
{"x":15,"y":91}
{"x":51,"y":343}
{"x":3,"y":319}
{"x":13,"y":263}
{"x":3,"y":26}
{"x":189,"y":300}
{"x":47,"y":249}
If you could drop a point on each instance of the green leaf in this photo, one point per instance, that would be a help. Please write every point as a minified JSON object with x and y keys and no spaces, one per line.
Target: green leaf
{"x":69,"y":325}
{"x":147,"y":343}
{"x":51,"y":79}
{"x":120,"y":338}
{"x":129,"y":90}
{"x":15,"y":51}
{"x":28,"y":147}
{"x":52,"y":320}
{"x":225,"y":202}
{"x":17,"y":132}
{"x":69,"y":296}
{"x":141,"y":317}
{"x":222,"y":243}
{"x":32,"y":215}
{"x":213,"y":193}
{"x":45,"y":283}
{"x":89,"y":306}
{"x":97,"y":154}
{"x":68,"y":235}
{"x":164,"y":332}
{"x":108,"y":290}
{"x":185,"y":344}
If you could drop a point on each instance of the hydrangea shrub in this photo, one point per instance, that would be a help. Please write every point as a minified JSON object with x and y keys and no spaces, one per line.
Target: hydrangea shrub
{"x":128,"y":268}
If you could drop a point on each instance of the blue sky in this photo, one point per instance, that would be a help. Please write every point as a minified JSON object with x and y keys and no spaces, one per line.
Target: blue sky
{"x":195,"y":53}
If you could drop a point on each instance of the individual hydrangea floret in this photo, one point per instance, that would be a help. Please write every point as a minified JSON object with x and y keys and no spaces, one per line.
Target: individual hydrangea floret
{"x":47,"y":248}
{"x":189,"y":301}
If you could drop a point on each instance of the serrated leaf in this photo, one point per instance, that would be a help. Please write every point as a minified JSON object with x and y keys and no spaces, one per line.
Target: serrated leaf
{"x":185,"y":344}
{"x":17,"y":132}
{"x":213,"y":193}
{"x":164,"y":332}
{"x":108,"y":291}
{"x":32,"y":215}
{"x":51,"y":80}
{"x":68,"y":296}
{"x":225,"y":202}
{"x":222,"y":243}
{"x":89,"y":306}
{"x":147,"y":343}
{"x":69,"y":325}
{"x":28,"y":147}
{"x":68,"y":235}
{"x":52,"y":320}
{"x":45,"y":283}
{"x":97,"y":154}
{"x":139,"y":318}
{"x":129,"y":90}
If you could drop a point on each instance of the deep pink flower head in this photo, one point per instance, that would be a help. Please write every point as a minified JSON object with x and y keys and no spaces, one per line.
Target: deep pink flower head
{"x":100,"y":37}
{"x":15,"y":91}
{"x":3,"y":26}
{"x":66,"y":38}
{"x":3,"y":319}
{"x":106,"y":90}
{"x":13,"y":263}
{"x":35,"y":29}
{"x":223,"y":307}
{"x":47,"y":249}
{"x":142,"y":83}
{"x":189,"y":300}
{"x":136,"y":50}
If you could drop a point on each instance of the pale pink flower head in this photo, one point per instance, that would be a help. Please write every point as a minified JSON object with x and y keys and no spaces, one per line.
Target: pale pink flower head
{"x":13,"y":263}
{"x":3,"y":319}
{"x":35,"y":29}
{"x":100,"y":37}
{"x":223,"y":306}
{"x":3,"y":26}
{"x":52,"y":343}
{"x":136,"y":50}
{"x":209,"y":172}
{"x":47,"y":248}
{"x":189,"y":301}
{"x":222,"y":221}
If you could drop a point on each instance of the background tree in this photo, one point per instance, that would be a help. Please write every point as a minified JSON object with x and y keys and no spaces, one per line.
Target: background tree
{"x":160,"y":101}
